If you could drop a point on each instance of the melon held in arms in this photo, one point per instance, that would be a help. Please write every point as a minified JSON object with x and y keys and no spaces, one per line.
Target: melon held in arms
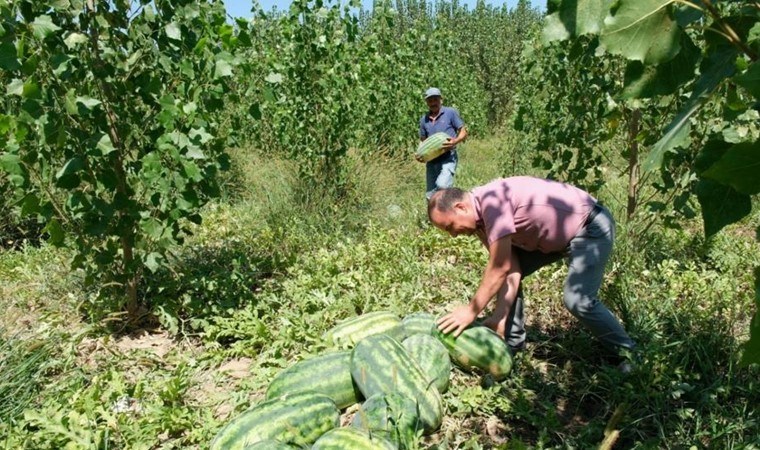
{"x":328,"y":374}
{"x":432,"y":147}
{"x":479,"y":347}
{"x":380,"y":365}
{"x":293,"y":419}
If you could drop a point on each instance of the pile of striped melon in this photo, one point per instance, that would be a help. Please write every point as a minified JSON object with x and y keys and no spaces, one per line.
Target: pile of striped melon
{"x":398,"y":368}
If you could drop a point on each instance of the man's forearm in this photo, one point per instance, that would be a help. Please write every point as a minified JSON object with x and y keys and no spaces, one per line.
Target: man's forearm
{"x":493,"y":279}
{"x":462,"y":135}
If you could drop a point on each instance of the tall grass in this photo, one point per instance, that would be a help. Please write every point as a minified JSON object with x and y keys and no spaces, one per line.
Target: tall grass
{"x":23,"y":364}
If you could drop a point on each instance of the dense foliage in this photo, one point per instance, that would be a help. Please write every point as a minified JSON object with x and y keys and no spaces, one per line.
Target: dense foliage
{"x":120,"y":118}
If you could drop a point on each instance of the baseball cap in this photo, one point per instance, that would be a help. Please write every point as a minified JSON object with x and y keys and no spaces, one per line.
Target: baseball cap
{"x":432,"y":92}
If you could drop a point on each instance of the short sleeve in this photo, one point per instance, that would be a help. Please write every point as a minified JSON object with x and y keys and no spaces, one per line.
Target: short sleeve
{"x":498,"y":218}
{"x":456,"y":121}
{"x":423,"y":133}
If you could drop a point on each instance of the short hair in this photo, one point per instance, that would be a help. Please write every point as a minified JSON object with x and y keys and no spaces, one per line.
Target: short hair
{"x":444,"y":199}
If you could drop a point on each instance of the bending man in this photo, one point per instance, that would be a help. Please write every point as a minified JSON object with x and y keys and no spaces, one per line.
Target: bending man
{"x":527,"y":223}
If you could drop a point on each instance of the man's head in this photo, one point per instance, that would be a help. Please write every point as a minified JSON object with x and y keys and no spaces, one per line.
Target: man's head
{"x":433,"y":99}
{"x":452,"y":211}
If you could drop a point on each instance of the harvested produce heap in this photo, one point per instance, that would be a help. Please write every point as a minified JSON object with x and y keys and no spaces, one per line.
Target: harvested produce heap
{"x":400,"y":366}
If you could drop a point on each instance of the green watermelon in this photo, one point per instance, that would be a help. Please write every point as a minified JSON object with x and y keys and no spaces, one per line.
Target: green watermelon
{"x":328,"y":374}
{"x":348,"y":333}
{"x":351,"y":439}
{"x":432,"y":147}
{"x":380,"y":365}
{"x":479,"y":347}
{"x":432,"y":357}
{"x":418,"y":323}
{"x":270,"y":445}
{"x":391,"y":416}
{"x":294,"y":419}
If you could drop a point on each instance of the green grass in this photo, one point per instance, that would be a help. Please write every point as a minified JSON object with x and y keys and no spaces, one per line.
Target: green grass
{"x":263,"y":278}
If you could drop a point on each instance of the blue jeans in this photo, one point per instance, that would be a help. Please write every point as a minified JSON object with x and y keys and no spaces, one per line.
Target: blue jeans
{"x":440,"y":172}
{"x":587,"y":257}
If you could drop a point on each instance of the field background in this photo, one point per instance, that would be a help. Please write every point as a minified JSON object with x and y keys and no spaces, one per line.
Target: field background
{"x":321,"y":217}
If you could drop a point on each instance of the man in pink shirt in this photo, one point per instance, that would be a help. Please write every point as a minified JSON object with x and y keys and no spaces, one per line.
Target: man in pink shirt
{"x":527,"y":223}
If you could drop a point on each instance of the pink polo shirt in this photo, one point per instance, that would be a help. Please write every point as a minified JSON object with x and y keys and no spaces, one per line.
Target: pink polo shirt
{"x":540,"y":214}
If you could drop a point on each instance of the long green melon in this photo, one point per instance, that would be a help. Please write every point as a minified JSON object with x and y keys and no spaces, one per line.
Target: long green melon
{"x":270,"y":444}
{"x":418,"y":323}
{"x":348,"y":333}
{"x":351,"y":439}
{"x":328,"y":374}
{"x":432,"y":147}
{"x":479,"y":347}
{"x":294,"y":419}
{"x":380,"y":365}
{"x":391,"y":416}
{"x":432,"y":357}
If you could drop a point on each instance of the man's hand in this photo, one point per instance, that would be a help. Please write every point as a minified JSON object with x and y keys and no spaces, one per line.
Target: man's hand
{"x":418,"y":158}
{"x":450,"y":144}
{"x":457,"y":320}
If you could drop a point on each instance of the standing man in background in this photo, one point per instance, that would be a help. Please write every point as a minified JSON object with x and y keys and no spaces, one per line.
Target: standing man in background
{"x":439,"y":118}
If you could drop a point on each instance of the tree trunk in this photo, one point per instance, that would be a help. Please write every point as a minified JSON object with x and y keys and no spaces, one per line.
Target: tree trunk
{"x":127,"y":238}
{"x":634,"y":126}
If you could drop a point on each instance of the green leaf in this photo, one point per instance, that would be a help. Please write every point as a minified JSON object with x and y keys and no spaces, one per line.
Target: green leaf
{"x":754,"y":34}
{"x":642,"y":30}
{"x":255,"y":111}
{"x":173,"y":31}
{"x":105,"y":145}
{"x":751,"y":353}
{"x":11,"y":163}
{"x":88,"y":102}
{"x":201,"y":135}
{"x":274,"y":78}
{"x":55,"y":230}
{"x":43,"y":26}
{"x":677,"y":134}
{"x":194,"y":152}
{"x":15,"y":87}
{"x":152,"y":227}
{"x":71,"y":166}
{"x":8,"y":59}
{"x":721,"y":205}
{"x":715,"y":69}
{"x":574,"y":18}
{"x":646,"y":81}
{"x":222,"y":69}
{"x":710,"y":153}
{"x":750,"y":80}
{"x":30,"y":205}
{"x":74,"y":39}
{"x":153,"y":261}
{"x":739,"y":168}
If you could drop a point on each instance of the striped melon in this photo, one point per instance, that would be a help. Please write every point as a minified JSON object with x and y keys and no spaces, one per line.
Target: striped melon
{"x":391,"y":416}
{"x":432,"y":147}
{"x":479,"y":347}
{"x":294,"y":419}
{"x":351,"y":439}
{"x":328,"y":374}
{"x":270,"y":445}
{"x":380,"y":365}
{"x":418,"y":323}
{"x":349,"y":332}
{"x":432,"y":357}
